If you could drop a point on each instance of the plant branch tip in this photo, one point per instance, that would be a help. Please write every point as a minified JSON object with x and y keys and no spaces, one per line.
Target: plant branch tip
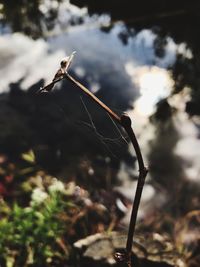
{"x":61,"y":73}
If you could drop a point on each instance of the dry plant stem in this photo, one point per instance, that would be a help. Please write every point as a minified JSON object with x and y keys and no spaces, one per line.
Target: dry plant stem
{"x":125,"y":122}
{"x":50,"y":85}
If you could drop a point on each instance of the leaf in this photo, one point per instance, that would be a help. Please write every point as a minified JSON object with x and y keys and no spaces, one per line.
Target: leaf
{"x":29,"y":156}
{"x":10,"y":261}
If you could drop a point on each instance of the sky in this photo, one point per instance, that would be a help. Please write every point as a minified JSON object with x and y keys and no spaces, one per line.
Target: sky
{"x":134,"y":68}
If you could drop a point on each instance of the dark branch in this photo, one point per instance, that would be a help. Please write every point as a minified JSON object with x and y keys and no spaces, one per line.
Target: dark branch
{"x":125,"y":122}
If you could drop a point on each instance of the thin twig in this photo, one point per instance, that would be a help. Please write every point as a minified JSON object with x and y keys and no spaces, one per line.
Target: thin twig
{"x":49,"y":86}
{"x":125,"y":122}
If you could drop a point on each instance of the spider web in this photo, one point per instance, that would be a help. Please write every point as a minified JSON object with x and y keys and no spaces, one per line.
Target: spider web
{"x":119,"y":140}
{"x":117,"y":143}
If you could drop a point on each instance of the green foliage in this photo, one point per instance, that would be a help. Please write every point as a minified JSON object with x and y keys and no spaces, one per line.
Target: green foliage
{"x":29,"y":156}
{"x":30,"y":236}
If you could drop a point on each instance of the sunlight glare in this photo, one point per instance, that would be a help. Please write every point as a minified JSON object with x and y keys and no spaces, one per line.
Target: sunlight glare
{"x":154,"y":84}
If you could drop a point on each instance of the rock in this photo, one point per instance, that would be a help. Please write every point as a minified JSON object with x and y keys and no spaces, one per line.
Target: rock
{"x":151,"y":250}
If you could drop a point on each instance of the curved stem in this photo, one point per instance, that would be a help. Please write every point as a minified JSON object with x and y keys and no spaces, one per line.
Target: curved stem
{"x":125,"y":122}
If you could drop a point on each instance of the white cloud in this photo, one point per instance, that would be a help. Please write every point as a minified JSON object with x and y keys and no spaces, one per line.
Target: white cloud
{"x":22,"y":57}
{"x":188,"y":146}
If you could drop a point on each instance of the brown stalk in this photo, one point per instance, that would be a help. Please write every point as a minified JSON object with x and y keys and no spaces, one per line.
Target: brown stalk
{"x":125,"y":122}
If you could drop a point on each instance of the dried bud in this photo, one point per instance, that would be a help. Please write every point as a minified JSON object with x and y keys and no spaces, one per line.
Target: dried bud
{"x":64,"y":62}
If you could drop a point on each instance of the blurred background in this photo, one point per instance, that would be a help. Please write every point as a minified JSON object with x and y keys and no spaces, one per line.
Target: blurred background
{"x":141,"y":58}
